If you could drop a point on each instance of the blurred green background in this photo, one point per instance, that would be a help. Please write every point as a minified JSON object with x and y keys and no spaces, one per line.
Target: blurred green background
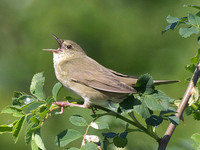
{"x":124,"y":35}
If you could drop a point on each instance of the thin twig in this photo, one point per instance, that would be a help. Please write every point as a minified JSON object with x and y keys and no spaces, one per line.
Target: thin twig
{"x":164,"y":141}
{"x":86,"y":131}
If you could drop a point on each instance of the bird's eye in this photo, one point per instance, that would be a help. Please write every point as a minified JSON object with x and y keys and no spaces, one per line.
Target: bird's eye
{"x":69,"y":46}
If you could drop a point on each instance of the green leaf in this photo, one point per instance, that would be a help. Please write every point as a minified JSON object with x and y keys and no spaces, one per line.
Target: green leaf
{"x":171,"y":19}
{"x":35,"y":120}
{"x":160,"y":95}
{"x":170,"y":26}
{"x":67,"y":136}
{"x":168,"y":112}
{"x":38,"y":139}
{"x":153,"y":104}
{"x":78,"y":120}
{"x":196,"y":114}
{"x":28,"y":136}
{"x":142,"y":109}
{"x":196,"y":138}
{"x":193,"y":19}
{"x":33,"y":106}
{"x":194,"y":6}
{"x":196,"y":58}
{"x":89,"y":146}
{"x":34,"y":145}
{"x":198,"y":39}
{"x":49,"y":102}
{"x":18,"y":127}
{"x":128,"y":104}
{"x":186,"y":32}
{"x":6,"y":128}
{"x":188,"y":110}
{"x":17,"y":94}
{"x":26,"y":99}
{"x":16,"y":112}
{"x":109,"y":134}
{"x":42,"y":108}
{"x":145,"y":84}
{"x":19,"y":99}
{"x":120,"y":142}
{"x":99,"y":125}
{"x":23,"y":107}
{"x":154,"y":120}
{"x":44,"y":113}
{"x":123,"y":134}
{"x":175,"y":22}
{"x":191,"y":68}
{"x":173,"y":119}
{"x":162,"y":98}
{"x":37,"y":84}
{"x":56,"y":89}
{"x":29,"y":131}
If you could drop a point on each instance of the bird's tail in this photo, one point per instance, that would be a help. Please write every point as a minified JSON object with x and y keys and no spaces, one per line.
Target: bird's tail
{"x":160,"y":82}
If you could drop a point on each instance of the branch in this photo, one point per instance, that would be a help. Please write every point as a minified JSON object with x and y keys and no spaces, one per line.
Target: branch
{"x":136,"y":124}
{"x":164,"y":141}
{"x":111,"y":113}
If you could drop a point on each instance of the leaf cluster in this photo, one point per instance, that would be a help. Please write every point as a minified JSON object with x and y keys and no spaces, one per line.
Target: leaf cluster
{"x":31,"y":111}
{"x":151,"y":104}
{"x":118,"y":139}
{"x":190,"y":23}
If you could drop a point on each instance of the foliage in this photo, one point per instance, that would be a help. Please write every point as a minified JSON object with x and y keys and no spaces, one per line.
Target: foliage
{"x":194,"y":102}
{"x":152,"y":105}
{"x":31,"y":111}
{"x":191,"y":23}
{"x":191,"y":26}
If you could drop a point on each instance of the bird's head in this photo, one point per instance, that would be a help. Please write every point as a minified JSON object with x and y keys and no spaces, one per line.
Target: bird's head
{"x":67,"y":49}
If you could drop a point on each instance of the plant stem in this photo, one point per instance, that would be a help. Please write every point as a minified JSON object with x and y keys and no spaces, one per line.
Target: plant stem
{"x":112,"y":113}
{"x":131,"y":114}
{"x":138,"y":125}
{"x":165,"y":140}
{"x":84,"y":140}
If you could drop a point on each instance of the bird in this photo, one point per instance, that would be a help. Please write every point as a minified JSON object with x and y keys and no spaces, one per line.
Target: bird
{"x":96,"y":84}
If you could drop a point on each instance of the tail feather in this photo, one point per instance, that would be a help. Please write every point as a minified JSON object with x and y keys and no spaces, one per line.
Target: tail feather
{"x":160,"y":82}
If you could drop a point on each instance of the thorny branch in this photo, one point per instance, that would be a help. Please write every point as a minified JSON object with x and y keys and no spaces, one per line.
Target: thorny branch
{"x":165,"y":140}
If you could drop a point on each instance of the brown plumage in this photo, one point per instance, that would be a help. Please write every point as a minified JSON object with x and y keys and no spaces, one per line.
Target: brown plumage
{"x":89,"y":79}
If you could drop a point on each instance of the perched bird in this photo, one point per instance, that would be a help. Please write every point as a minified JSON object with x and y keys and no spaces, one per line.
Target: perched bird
{"x":95,"y":83}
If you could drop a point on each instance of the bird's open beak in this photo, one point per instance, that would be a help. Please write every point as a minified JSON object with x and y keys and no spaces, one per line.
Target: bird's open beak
{"x":51,"y":50}
{"x":58,"y":40}
{"x":59,"y":43}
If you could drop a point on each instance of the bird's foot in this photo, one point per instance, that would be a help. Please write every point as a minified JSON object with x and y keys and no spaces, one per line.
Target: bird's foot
{"x":64,"y":104}
{"x":94,"y":109}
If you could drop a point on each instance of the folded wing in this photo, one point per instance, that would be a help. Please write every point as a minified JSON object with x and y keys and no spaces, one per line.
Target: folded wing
{"x":96,"y":76}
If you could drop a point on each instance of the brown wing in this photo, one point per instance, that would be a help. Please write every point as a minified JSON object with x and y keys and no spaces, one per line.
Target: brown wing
{"x":122,"y":75}
{"x":129,"y":80}
{"x":92,"y":74}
